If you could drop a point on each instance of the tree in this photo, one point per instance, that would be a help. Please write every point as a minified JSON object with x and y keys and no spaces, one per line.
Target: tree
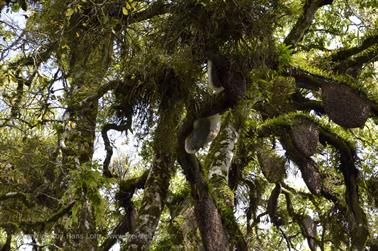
{"x":299,"y":95}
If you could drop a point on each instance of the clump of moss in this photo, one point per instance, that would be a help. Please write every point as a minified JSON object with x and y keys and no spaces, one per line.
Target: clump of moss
{"x":272,"y":165}
{"x":305,"y":135}
{"x":345,"y":107}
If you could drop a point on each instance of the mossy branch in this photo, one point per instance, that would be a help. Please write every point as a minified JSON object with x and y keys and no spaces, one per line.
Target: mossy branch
{"x":343,"y":54}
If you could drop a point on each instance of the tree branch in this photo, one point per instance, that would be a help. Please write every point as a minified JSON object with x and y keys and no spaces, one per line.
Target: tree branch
{"x":357,"y":219}
{"x":156,"y":9}
{"x":17,"y":195}
{"x":108,"y":147}
{"x":299,"y":29}
{"x":36,"y":58}
{"x":207,"y":215}
{"x":124,"y":196}
{"x":346,"y":53}
{"x":305,"y":222}
{"x":40,"y":225}
{"x":100,"y":92}
{"x":358,"y":61}
{"x":305,"y":104}
{"x":312,"y":81}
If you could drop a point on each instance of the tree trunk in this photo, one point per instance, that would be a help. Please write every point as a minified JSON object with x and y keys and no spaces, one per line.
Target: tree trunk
{"x":219,"y":162}
{"x":156,"y":187}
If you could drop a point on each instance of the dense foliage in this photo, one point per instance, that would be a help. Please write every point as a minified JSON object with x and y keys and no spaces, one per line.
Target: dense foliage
{"x":293,"y":167}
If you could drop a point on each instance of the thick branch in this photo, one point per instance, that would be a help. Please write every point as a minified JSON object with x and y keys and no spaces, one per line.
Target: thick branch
{"x":299,"y":29}
{"x":273,"y":204}
{"x":124,"y":196}
{"x":308,"y":80}
{"x":310,"y":172}
{"x":127,"y":188}
{"x":17,"y":195}
{"x":207,"y":215}
{"x":357,"y":218}
{"x":358,"y":61}
{"x":307,"y":225}
{"x":346,"y":53}
{"x":312,"y":81}
{"x":218,"y":163}
{"x":305,"y":104}
{"x":40,"y":225}
{"x":157,"y":183}
{"x":36,"y":58}
{"x":126,"y":225}
{"x":100,"y":92}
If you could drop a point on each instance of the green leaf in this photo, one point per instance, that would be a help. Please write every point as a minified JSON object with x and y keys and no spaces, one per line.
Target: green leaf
{"x":125,"y":11}
{"x":69,"y":12}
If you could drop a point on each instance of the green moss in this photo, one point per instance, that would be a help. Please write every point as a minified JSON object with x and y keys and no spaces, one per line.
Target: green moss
{"x":343,"y":79}
{"x":278,"y":124}
{"x":224,"y":198}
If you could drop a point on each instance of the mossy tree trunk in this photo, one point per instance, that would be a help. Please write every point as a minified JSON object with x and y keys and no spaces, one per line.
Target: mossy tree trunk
{"x":157,"y":183}
{"x":219,"y":161}
{"x":89,"y":59}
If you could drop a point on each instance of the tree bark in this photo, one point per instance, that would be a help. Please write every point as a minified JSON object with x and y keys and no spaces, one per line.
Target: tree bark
{"x":214,"y":236}
{"x":219,"y":162}
{"x":156,"y":187}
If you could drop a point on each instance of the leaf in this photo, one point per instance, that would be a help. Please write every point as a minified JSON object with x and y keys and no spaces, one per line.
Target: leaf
{"x":71,"y":124}
{"x":125,"y":11}
{"x":69,"y":12}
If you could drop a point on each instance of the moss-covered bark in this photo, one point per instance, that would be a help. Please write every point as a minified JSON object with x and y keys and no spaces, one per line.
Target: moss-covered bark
{"x":156,"y":187}
{"x":207,"y":215}
{"x":219,"y":162}
{"x":88,"y":62}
